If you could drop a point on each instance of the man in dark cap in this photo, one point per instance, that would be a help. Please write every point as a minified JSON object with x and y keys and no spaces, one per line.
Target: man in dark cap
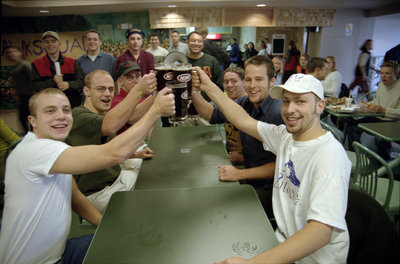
{"x":134,"y":40}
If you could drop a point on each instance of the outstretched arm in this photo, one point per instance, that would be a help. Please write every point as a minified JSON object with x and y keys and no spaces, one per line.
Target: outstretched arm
{"x":88,"y":158}
{"x":231,"y":110}
{"x":119,"y":115}
{"x":312,"y":237}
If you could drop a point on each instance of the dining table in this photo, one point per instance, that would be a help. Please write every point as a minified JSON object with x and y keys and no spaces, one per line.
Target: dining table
{"x":389,"y":131}
{"x":183,"y":225}
{"x":344,"y":113}
{"x":184,"y":157}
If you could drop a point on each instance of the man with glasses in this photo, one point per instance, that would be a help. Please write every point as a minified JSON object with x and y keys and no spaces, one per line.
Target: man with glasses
{"x":95,"y":123}
{"x":129,"y":75}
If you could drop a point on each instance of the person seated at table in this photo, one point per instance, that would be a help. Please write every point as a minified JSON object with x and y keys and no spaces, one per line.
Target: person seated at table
{"x":40,"y":191}
{"x":95,"y":123}
{"x":278,"y":70}
{"x":387,"y":101}
{"x":234,"y":88}
{"x":333,"y":80}
{"x":311,"y":177}
{"x":128,"y":75}
{"x":318,"y":67}
{"x":303,"y":62}
{"x":259,"y":164}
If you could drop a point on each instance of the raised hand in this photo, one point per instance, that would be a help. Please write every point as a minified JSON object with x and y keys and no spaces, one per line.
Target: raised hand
{"x":165,"y":103}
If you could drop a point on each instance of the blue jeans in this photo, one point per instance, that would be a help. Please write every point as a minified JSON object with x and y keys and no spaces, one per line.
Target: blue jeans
{"x":75,"y":250}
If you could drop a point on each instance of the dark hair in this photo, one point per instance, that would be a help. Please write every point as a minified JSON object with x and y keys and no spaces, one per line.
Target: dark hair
{"x":193,"y":32}
{"x":391,"y":64}
{"x":238,"y":70}
{"x":175,"y":31}
{"x":154,"y":35}
{"x":315,"y":63}
{"x":251,"y":44}
{"x":14,"y":47}
{"x":363,"y":47}
{"x":263,"y":45}
{"x":262,"y":60}
{"x":93,"y":31}
{"x":234,"y":39}
{"x":293,"y":45}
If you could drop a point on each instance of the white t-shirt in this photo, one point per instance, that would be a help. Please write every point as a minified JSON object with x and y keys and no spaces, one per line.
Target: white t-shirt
{"x":37,"y":210}
{"x":160,"y":51}
{"x":332,"y":84}
{"x":310,"y":183}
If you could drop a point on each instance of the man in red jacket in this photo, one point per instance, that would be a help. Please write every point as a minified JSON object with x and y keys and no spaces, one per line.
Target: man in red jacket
{"x":44,"y":75}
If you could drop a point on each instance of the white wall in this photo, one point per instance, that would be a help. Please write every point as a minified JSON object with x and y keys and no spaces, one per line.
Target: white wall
{"x":384,"y":31}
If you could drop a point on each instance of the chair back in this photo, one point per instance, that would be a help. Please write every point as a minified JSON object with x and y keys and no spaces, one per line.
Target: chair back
{"x":368,"y":97}
{"x":367,"y":172}
{"x":332,"y":130}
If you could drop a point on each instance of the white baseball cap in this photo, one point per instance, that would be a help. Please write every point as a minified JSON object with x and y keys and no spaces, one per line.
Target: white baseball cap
{"x":299,"y":83}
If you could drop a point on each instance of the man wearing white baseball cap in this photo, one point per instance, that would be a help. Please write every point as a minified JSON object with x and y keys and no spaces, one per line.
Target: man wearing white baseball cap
{"x":311,"y":174}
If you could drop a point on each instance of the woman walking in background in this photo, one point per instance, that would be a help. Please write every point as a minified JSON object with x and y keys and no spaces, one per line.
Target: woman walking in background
{"x":362,"y":68}
{"x":291,"y":61}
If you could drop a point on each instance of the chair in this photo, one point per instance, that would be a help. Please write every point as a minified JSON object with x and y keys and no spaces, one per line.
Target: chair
{"x":373,"y":238}
{"x":350,"y":154}
{"x":385,"y":190}
{"x":344,"y":91}
{"x":368,"y":97}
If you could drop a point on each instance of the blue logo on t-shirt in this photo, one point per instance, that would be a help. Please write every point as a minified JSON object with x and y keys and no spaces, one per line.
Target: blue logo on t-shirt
{"x":292,"y":175}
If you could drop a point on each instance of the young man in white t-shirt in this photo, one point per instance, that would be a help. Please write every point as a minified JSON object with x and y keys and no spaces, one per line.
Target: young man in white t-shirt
{"x":40,"y":191}
{"x":311,"y":174}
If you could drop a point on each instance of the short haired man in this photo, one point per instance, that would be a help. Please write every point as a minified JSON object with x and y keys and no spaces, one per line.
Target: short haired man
{"x":44,"y":75}
{"x":95,"y":124}
{"x":318,"y":67}
{"x":95,"y":58}
{"x":158,"y":52}
{"x":206,"y":62}
{"x":259,"y":164}
{"x":40,"y":191}
{"x":177,"y":45}
{"x":387,"y":101}
{"x":312,"y":173}
{"x":234,"y":88}
{"x":134,"y":39}
{"x":234,"y":53}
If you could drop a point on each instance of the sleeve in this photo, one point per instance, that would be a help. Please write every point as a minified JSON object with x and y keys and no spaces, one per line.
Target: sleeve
{"x":43,"y":153}
{"x":6,"y":133}
{"x":270,"y":135}
{"x":218,"y":78}
{"x":37,"y":83}
{"x":112,"y":69}
{"x":393,"y":112}
{"x":78,"y":83}
{"x":363,"y":60}
{"x":217,"y":117}
{"x":328,"y":197}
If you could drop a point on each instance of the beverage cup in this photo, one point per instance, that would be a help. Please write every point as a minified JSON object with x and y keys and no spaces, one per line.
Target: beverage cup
{"x":164,"y":74}
{"x":349,"y":100}
{"x":181,"y":101}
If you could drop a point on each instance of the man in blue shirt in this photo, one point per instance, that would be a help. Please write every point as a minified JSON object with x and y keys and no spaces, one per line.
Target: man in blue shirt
{"x":259,"y":165}
{"x":95,"y":58}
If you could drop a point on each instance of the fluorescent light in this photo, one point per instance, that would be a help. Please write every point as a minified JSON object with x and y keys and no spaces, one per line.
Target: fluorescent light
{"x":261,"y":5}
{"x":171,"y":5}
{"x":44,"y":11}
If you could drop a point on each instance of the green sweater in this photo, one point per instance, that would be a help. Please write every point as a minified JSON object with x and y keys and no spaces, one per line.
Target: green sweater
{"x":86,"y":130}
